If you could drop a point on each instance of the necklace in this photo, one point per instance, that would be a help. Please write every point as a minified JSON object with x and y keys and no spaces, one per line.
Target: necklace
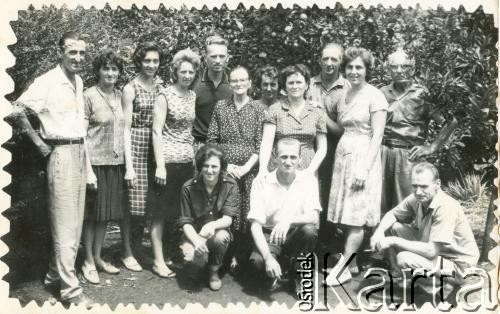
{"x":106,"y":98}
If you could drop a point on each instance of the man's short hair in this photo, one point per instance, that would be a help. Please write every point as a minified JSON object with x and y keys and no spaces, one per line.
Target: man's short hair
{"x":207,"y":151}
{"x":331,"y":45}
{"x":287,"y":141}
{"x":397,"y":53}
{"x":69,"y":35}
{"x":422,"y":166}
{"x":215,"y":40}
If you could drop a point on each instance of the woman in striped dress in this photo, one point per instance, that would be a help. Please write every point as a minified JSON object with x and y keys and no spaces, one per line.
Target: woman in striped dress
{"x":139,"y":97}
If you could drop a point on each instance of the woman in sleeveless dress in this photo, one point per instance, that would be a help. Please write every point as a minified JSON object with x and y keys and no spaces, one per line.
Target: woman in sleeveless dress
{"x":139,"y":97}
{"x":173,"y":118}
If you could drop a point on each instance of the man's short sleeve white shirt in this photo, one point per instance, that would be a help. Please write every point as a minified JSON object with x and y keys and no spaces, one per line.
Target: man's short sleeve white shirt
{"x":270,"y":202}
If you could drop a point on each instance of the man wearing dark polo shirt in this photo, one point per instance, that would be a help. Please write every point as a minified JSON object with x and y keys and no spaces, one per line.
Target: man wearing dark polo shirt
{"x":212,"y":87}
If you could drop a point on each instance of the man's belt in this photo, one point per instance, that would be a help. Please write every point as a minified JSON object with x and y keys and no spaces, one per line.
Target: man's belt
{"x":396,"y":145}
{"x":69,"y":141}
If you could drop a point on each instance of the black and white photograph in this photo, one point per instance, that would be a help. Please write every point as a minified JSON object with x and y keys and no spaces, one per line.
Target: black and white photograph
{"x":267,"y":155}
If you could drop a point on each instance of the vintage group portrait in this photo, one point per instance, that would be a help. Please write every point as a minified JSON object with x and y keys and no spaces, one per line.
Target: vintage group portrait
{"x":256,"y":155}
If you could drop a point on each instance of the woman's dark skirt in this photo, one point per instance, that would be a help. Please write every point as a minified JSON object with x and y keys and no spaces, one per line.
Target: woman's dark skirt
{"x":109,"y":202}
{"x":165,"y":200}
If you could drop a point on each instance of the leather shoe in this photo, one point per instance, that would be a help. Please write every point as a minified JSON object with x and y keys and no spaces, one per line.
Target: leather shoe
{"x":214,"y":281}
{"x":80,"y":300}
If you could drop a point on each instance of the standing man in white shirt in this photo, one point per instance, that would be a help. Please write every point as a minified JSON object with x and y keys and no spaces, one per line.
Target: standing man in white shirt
{"x":284,"y":214}
{"x":56,"y":98}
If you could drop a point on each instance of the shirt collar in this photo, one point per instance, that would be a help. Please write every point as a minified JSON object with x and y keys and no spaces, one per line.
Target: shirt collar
{"x":437,"y":200}
{"x":61,"y":76}
{"x":413,"y":87}
{"x":205,"y":78}
{"x":285,"y":105}
{"x":198,"y":182}
{"x":340,"y":82}
{"x":273,"y":177}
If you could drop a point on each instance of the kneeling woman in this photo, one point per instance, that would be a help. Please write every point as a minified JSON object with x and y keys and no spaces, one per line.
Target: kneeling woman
{"x":209,"y":203}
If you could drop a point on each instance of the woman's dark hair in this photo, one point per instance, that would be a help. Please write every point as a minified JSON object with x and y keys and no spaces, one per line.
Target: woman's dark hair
{"x":106,"y":57}
{"x":207,"y":151}
{"x":352,"y":53}
{"x":294,"y":69}
{"x":142,"y":49}
{"x":267,"y":71}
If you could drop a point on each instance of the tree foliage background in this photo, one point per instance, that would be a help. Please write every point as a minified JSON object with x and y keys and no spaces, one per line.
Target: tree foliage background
{"x":454,"y":50}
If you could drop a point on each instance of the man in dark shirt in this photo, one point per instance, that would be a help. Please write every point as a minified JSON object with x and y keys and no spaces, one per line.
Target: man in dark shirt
{"x":208,"y":204}
{"x":212,"y":87}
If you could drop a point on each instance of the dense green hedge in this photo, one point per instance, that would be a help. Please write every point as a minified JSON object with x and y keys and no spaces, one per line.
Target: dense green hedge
{"x":454,"y":50}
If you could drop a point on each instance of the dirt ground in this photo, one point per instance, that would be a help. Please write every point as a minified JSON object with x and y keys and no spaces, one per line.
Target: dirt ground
{"x":146,"y":288}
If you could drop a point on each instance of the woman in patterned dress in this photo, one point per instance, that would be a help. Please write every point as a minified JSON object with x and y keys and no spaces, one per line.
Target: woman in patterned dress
{"x":173,"y":117}
{"x":139,"y":97}
{"x":236,"y":125}
{"x":357,"y":175}
{"x":294,"y":117}
{"x":105,"y":123}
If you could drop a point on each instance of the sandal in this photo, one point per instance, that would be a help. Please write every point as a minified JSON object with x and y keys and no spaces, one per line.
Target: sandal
{"x":163,"y":271}
{"x":131,"y":264}
{"x":107,"y":268}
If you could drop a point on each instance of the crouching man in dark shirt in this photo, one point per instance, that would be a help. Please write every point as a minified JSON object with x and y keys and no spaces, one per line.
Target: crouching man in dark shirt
{"x":208,"y":204}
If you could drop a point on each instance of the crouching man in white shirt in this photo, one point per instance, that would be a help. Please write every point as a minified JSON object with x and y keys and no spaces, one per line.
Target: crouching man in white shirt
{"x":284,"y":214}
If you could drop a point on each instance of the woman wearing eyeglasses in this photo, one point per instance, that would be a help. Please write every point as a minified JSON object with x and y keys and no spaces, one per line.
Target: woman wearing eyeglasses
{"x":236,"y":126}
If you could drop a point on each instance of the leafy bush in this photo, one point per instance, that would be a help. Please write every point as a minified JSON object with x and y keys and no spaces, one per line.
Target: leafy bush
{"x":467,"y":188}
{"x":454,"y":50}
{"x":472,"y":193}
